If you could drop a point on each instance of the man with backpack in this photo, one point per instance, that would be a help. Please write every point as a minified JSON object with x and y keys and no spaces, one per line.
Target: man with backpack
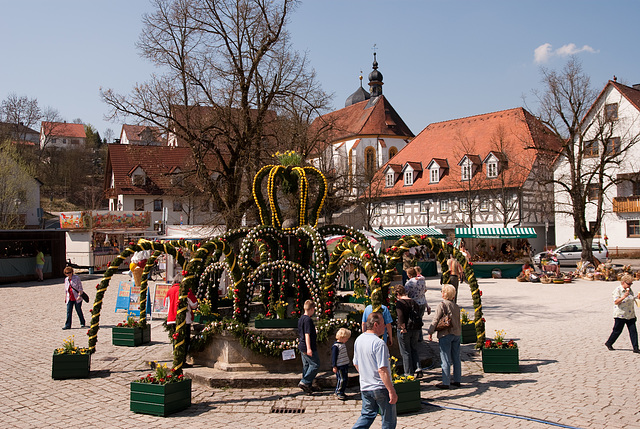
{"x":409,"y":328}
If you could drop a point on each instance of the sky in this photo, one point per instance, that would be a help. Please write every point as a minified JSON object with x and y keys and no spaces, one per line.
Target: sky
{"x":441,"y":60}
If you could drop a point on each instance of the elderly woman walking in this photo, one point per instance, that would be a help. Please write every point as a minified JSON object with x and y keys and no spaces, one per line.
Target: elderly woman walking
{"x":448,"y":337}
{"x":624,"y":313}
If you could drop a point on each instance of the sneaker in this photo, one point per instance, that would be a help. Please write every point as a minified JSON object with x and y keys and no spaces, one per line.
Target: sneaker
{"x":305,"y":387}
{"x":64,"y":328}
{"x":342,"y":396}
{"x":636,"y":350}
{"x":418,"y":374}
{"x":609,"y":346}
{"x":456,"y":383}
{"x":442,"y":386}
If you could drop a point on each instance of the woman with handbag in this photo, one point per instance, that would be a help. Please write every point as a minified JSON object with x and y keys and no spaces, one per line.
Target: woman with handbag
{"x":447,"y":322}
{"x":74,"y":297}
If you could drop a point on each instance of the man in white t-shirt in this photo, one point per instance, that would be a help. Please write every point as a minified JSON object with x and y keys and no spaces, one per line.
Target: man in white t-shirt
{"x":371,"y":359}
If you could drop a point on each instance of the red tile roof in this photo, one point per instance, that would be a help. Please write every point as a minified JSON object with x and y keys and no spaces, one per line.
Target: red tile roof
{"x":135,"y":132}
{"x":446,"y":143}
{"x":64,"y":129}
{"x":374,"y":117}
{"x":156,"y":161}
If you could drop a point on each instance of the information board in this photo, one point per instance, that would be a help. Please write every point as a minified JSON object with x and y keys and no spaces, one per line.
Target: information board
{"x":134,"y":301}
{"x":124,"y":289}
{"x":158,"y":298}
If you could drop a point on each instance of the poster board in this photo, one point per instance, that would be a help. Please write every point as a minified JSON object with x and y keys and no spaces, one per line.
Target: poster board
{"x":134,"y":301}
{"x":159,"y":293}
{"x":124,"y":289}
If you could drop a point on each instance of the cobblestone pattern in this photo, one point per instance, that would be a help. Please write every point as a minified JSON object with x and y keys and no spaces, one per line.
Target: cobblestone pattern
{"x":568,"y":376}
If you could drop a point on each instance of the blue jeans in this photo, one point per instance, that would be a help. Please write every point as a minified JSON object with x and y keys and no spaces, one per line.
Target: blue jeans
{"x":310,"y":366}
{"x":78,"y":306}
{"x":372,"y":400}
{"x":342,"y":379}
{"x":450,"y":354}
{"x":408,"y":344}
{"x":618,"y":326}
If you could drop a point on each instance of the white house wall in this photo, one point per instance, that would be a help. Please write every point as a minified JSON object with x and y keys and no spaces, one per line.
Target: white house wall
{"x":614,"y":224}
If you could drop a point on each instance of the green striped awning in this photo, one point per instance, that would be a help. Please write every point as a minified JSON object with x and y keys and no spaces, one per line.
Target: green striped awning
{"x":496,"y":233}
{"x":396,"y":233}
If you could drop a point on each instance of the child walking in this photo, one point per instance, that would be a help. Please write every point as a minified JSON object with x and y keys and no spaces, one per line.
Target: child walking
{"x":308,"y":348}
{"x":340,"y":362}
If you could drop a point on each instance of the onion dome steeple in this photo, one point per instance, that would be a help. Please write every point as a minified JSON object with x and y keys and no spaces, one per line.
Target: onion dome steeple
{"x":375,"y":79}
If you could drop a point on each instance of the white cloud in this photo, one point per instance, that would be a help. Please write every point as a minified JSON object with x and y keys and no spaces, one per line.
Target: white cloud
{"x":544,"y":52}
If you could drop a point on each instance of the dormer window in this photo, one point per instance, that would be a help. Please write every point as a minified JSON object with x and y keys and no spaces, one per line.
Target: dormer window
{"x":465,"y":171}
{"x":389,"y":179}
{"x":408,"y":178}
{"x":138,"y":179}
{"x":434,"y":175}
{"x":492,"y":169}
{"x":138,"y":176}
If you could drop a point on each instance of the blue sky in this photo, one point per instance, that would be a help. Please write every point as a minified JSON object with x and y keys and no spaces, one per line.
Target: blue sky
{"x":441,"y":60}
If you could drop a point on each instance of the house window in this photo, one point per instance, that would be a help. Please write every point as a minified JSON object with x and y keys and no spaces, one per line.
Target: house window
{"x":392,"y":151}
{"x":611,"y":112}
{"x":138,"y":205}
{"x":612,"y":146}
{"x":593,"y":191}
{"x":435,"y":175}
{"x":54,"y":141}
{"x":408,"y":178}
{"x":592,"y":226}
{"x":157,"y":205}
{"x":466,"y":171}
{"x":444,"y":206}
{"x":64,"y":141}
{"x":591,"y":149}
{"x":377,"y":210}
{"x":177,"y":206}
{"x":75,"y":141}
{"x":370,"y":161}
{"x":633,"y":228}
{"x":484,"y":205}
{"x":464,"y":206}
{"x":137,"y":180}
{"x":390,"y":180}
{"x":424,"y":206}
{"x":400,"y":209}
{"x":492,"y":169}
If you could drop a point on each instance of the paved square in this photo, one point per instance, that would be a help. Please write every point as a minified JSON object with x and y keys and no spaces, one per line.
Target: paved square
{"x":568,"y":376}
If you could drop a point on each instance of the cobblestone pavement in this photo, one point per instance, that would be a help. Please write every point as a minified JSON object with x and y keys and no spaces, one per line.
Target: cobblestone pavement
{"x":568,"y":377}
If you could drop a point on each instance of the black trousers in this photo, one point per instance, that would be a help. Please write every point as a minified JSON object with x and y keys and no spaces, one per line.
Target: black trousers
{"x":618,"y":326}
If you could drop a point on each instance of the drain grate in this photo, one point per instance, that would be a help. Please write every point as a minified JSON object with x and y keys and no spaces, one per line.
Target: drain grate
{"x":286,"y":410}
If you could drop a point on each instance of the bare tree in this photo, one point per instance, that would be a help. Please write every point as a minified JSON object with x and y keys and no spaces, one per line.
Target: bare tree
{"x":229,"y":70}
{"x":473,"y":183}
{"x":20,"y":112}
{"x":587,"y":162}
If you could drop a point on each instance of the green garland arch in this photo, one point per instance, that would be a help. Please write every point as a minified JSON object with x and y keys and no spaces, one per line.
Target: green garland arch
{"x":442,"y":250}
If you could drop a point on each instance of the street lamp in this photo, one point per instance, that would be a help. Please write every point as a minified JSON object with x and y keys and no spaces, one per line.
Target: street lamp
{"x":428,"y":204}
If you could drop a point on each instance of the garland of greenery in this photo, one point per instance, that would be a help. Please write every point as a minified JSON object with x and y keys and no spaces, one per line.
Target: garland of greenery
{"x":442,"y":251}
{"x":260,"y":344}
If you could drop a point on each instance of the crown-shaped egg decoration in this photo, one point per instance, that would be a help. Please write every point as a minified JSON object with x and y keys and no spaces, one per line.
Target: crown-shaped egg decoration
{"x":292,"y":178}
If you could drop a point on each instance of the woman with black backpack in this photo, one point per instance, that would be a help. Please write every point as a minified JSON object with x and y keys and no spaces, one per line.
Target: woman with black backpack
{"x":409,"y":327}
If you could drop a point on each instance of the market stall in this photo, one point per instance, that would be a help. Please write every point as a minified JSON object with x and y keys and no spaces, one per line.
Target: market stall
{"x":497,"y":252}
{"x":94,"y":238}
{"x":420,"y":257}
{"x":18,"y":254}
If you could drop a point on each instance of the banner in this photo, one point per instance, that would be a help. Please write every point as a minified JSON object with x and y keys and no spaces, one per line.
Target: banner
{"x":158,"y":298}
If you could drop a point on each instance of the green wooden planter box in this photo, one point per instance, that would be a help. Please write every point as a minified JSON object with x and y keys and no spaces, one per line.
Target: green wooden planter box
{"x":131,"y":337}
{"x":500,"y":360}
{"x":199,"y":318}
{"x":276,"y":323}
{"x":468,"y":334}
{"x":160,"y":400}
{"x":408,"y":396}
{"x":70,"y":366}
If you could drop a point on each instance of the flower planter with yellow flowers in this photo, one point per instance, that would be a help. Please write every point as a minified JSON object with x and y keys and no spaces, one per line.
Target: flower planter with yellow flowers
{"x":70,"y":361}
{"x":409,"y":400}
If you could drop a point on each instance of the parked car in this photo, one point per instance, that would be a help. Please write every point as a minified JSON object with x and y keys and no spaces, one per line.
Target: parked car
{"x":570,"y":253}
